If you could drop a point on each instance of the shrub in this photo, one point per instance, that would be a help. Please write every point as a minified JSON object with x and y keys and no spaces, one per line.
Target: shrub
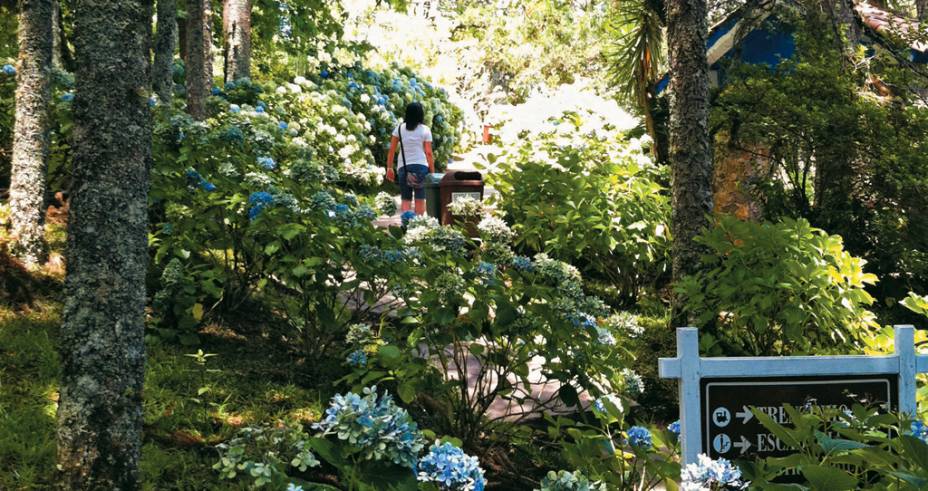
{"x":856,"y":448}
{"x":609,"y":453}
{"x":592,"y":201}
{"x":778,"y":288}
{"x":265,"y":454}
{"x":464,"y":309}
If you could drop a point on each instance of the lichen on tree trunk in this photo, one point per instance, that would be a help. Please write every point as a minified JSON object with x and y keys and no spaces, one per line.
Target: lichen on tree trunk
{"x":690,"y":150}
{"x":163,"y":67}
{"x":30,"y":133}
{"x":236,"y":28}
{"x":199,"y":60}
{"x":101,"y":343}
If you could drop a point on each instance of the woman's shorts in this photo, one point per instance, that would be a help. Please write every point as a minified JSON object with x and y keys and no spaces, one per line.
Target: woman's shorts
{"x":406,"y":191}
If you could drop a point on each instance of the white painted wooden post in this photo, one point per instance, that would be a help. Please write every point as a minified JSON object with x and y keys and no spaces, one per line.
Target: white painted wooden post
{"x":690,"y":398}
{"x":905,"y":351}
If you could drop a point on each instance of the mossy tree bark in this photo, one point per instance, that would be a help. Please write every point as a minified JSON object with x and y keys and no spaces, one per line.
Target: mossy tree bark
{"x":165,"y":42}
{"x":30,"y":133}
{"x":690,"y":150}
{"x":102,"y":347}
{"x":921,"y":7}
{"x":199,"y":60}
{"x":236,"y":29}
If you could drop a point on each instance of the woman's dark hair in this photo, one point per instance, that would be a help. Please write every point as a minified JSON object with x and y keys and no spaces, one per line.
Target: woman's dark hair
{"x":415,"y":115}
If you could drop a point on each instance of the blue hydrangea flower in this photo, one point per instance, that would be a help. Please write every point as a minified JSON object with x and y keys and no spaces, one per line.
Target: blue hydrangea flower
{"x":67,"y":97}
{"x":267,"y":162}
{"x":365,"y":213}
{"x":523,"y":263}
{"x":324,"y":73}
{"x":283,"y":125}
{"x":342,"y":209}
{"x":215,"y":91}
{"x":920,"y":430}
{"x":235,"y":108}
{"x":486,"y":269}
{"x":639,"y":437}
{"x":152,"y":102}
{"x":294,"y":487}
{"x":407,"y":216}
{"x":374,"y":425}
{"x":207,"y":186}
{"x":259,"y":200}
{"x":323,"y":200}
{"x":452,"y":469}
{"x":674,"y":427}
{"x":394,"y":256}
{"x":353,"y":86}
{"x":9,"y":69}
{"x":711,"y":474}
{"x":234,"y":134}
{"x":260,"y":197}
{"x":357,"y":358}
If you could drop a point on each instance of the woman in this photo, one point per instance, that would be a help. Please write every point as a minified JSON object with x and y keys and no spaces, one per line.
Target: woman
{"x":416,"y":160}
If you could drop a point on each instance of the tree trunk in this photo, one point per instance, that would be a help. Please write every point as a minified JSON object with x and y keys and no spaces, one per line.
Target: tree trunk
{"x":199,"y":57}
{"x":690,"y":151}
{"x":236,"y":30}
{"x":30,"y":133}
{"x":102,"y":347}
{"x":921,"y":7}
{"x":57,"y":36}
{"x":845,"y":21}
{"x":163,"y":68}
{"x":182,"y":32}
{"x":149,"y":37}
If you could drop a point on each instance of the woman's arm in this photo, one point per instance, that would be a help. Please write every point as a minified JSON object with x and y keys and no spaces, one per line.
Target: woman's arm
{"x":428,"y":156}
{"x":391,"y":157}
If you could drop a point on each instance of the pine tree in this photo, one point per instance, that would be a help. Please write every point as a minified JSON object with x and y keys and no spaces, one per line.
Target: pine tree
{"x":199,"y":60}
{"x":101,"y":343}
{"x":690,"y":152}
{"x":236,"y":29}
{"x":165,"y":41}
{"x":30,"y":134}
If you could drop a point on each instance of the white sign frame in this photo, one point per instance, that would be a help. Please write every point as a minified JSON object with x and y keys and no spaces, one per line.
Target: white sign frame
{"x":689,"y":368}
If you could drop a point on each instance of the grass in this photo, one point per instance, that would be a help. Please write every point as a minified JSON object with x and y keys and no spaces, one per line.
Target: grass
{"x":192,"y":401}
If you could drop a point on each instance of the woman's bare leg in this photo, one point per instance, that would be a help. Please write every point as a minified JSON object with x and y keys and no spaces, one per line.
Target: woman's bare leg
{"x":420,"y":207}
{"x":405,"y":205}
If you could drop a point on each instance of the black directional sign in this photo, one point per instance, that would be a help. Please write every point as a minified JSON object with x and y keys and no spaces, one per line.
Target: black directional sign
{"x":730,"y":429}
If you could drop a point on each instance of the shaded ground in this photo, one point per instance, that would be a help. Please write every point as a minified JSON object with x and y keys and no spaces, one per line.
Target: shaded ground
{"x":189,"y":404}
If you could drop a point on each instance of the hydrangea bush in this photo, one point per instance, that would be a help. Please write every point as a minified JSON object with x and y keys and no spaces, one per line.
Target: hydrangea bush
{"x":265,"y":454}
{"x":590,"y":196}
{"x":472,"y":301}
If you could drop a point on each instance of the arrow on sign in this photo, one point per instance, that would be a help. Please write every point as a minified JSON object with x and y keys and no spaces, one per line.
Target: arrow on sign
{"x":744,"y":444}
{"x":745,"y":415}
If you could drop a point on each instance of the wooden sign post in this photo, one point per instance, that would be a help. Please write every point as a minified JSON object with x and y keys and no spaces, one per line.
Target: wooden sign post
{"x":716,"y":394}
